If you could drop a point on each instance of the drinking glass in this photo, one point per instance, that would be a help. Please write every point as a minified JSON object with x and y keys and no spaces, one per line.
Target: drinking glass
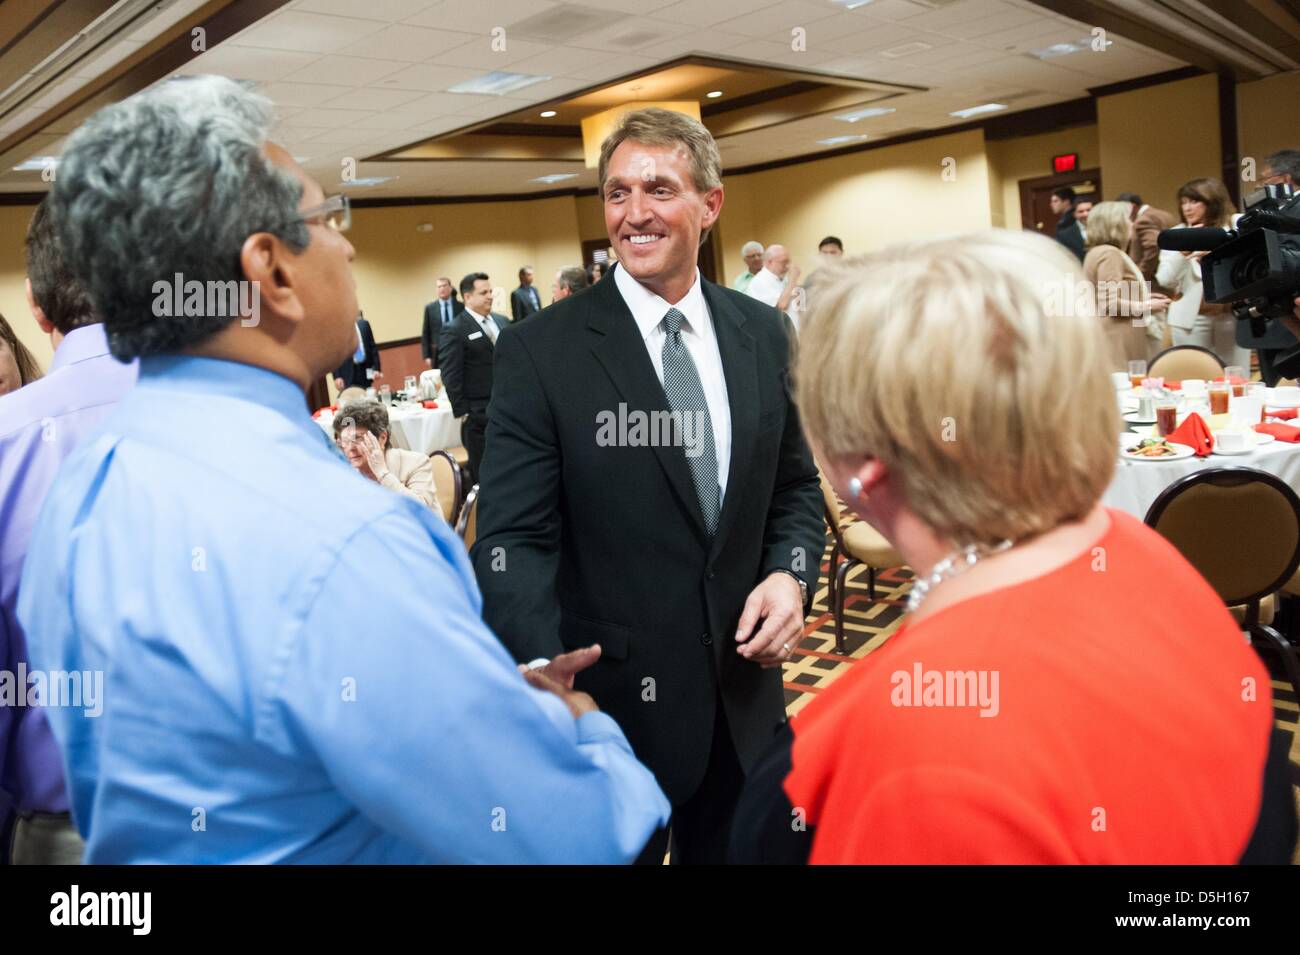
{"x":1235,"y":375}
{"x":386,"y":395}
{"x":1137,"y":370}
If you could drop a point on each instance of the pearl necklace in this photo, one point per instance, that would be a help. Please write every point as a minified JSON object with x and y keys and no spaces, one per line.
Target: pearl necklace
{"x":959,"y":561}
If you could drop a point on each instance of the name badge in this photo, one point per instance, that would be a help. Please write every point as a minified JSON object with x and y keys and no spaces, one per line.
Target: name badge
{"x":475,"y":335}
{"x":370,"y":374}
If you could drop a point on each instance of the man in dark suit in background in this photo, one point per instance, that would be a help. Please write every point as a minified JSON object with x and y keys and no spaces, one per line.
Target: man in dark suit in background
{"x":465,"y":353}
{"x":686,"y":549}
{"x":362,"y":369}
{"x":438,"y":314}
{"x":524,"y":300}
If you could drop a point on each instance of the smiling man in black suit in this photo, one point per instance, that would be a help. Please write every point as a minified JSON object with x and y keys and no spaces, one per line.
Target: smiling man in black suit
{"x":685,"y":549}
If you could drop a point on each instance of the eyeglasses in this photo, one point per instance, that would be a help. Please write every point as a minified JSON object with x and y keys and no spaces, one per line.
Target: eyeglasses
{"x":335,"y":212}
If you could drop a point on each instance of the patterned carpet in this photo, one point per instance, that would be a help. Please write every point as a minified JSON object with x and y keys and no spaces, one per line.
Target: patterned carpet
{"x":868,"y":624}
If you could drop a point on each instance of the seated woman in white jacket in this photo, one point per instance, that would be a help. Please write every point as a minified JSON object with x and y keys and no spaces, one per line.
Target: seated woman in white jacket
{"x":361,"y":430}
{"x":1192,"y":320}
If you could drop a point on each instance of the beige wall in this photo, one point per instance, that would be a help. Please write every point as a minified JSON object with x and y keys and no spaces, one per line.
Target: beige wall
{"x":397,"y":267}
{"x":869,"y":199}
{"x":591,"y":218}
{"x":1030,"y":157}
{"x":1155,"y":139}
{"x":1268,"y":116}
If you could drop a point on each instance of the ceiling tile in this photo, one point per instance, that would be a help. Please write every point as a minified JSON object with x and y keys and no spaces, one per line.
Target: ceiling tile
{"x":352,"y":70}
{"x":484,"y":53}
{"x":411,"y":44}
{"x":371,"y":99}
{"x":711,"y":13}
{"x":774,"y":23}
{"x":299,"y":94}
{"x":476,"y":16}
{"x":430,"y":77}
{"x":389,"y":11}
{"x":248,"y":63}
{"x":306,"y":32}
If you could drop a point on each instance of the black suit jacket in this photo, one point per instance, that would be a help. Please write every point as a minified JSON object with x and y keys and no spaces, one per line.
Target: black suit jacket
{"x":580,"y":543}
{"x":1070,"y":236}
{"x":465,"y":356}
{"x":431,"y":331}
{"x":354,"y":374}
{"x":521,"y":303}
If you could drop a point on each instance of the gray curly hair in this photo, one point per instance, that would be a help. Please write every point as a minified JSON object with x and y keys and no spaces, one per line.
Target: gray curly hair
{"x":171,"y":180}
{"x":364,"y":414}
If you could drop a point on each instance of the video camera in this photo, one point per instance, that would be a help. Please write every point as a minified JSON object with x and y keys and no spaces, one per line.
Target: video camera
{"x":1256,"y":266}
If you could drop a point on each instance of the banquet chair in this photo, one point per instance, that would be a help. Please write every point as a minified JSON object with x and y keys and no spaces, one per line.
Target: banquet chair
{"x":1186,"y":361}
{"x":1240,"y":528}
{"x":447,"y":481}
{"x":467,"y":523}
{"x":857,"y":542}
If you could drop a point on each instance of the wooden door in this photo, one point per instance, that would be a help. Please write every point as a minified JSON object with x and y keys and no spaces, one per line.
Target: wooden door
{"x":1035,"y":195}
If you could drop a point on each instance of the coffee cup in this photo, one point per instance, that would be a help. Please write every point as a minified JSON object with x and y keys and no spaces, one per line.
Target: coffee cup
{"x":1231,"y":440}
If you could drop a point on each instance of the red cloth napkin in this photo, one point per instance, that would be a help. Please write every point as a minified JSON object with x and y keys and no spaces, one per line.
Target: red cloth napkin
{"x":320,"y":411}
{"x":1285,"y":414}
{"x":430,"y":404}
{"x":1194,"y":433}
{"x":1283,"y":432}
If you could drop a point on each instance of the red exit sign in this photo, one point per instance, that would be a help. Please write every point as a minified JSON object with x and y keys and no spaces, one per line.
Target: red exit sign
{"x":1066,"y":163}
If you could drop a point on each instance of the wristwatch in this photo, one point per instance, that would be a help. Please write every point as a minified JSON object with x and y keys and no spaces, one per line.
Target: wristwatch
{"x":803,"y":587}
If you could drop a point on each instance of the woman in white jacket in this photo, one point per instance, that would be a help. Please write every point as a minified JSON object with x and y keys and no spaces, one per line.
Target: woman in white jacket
{"x":1192,"y":320}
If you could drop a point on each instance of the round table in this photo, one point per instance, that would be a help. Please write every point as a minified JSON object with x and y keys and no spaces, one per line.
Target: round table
{"x":1137,"y":484}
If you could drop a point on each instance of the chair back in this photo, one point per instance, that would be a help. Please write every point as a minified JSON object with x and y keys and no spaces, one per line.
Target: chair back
{"x":447,"y":482}
{"x":1239,"y":527}
{"x":466,"y":524}
{"x":1186,"y":361}
{"x":830,"y":508}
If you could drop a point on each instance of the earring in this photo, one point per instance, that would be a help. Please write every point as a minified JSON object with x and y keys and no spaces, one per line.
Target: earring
{"x":855,"y":487}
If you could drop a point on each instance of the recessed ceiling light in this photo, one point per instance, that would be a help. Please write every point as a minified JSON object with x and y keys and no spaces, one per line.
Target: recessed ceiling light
{"x":37,"y":163}
{"x":865,"y":114}
{"x":1061,"y":49}
{"x":547,"y":113}
{"x":840,"y":140}
{"x":555,"y":177}
{"x":368,"y":181}
{"x":714,"y":94}
{"x":496,"y":83}
{"x":977,"y":110}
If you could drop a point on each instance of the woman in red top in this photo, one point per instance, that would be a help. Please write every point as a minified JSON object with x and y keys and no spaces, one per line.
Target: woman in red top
{"x":1066,"y":689}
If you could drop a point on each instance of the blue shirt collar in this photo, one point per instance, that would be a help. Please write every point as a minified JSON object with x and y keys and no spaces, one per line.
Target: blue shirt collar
{"x":216,"y":377}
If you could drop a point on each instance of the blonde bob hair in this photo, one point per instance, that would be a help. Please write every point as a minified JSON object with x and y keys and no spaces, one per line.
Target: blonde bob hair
{"x":952,"y":362}
{"x":1108,"y":224}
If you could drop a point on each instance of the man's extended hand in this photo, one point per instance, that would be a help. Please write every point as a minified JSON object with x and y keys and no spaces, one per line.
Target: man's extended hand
{"x":566,"y":666}
{"x":778,"y":602}
{"x":577,"y":702}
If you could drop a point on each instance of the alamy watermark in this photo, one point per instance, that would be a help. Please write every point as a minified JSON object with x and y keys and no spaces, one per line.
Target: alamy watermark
{"x":83,"y":689}
{"x":946,"y":688}
{"x":176,"y":297}
{"x":652,"y":429}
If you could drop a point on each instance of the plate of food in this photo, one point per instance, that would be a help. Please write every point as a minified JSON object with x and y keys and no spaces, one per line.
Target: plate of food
{"x":1156,"y":449}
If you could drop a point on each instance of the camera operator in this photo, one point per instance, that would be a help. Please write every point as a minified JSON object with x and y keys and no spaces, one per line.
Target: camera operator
{"x":1281,"y":168}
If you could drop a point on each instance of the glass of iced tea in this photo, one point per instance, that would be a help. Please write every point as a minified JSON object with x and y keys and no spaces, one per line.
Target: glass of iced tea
{"x":1137,"y":370}
{"x":1166,"y":416}
{"x":1235,"y":376}
{"x":1220,"y":392}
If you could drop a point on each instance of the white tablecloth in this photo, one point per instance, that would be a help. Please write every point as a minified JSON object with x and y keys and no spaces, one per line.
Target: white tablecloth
{"x":1138,"y":483}
{"x":415,"y":429}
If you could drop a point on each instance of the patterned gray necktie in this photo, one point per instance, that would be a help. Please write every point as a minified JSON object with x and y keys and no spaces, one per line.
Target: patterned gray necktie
{"x":686,"y":398}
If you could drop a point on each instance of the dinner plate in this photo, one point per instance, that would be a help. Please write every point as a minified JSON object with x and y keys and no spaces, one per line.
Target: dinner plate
{"x":1181,"y":451}
{"x":1136,"y":418}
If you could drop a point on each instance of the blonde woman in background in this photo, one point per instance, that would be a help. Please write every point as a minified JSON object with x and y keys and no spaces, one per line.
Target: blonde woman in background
{"x":1203,"y":203}
{"x":18,"y":365}
{"x":1124,"y":303}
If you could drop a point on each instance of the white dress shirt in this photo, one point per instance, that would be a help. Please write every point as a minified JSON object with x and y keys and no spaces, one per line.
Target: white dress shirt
{"x":768,"y":288}
{"x":489,"y":326}
{"x":648,"y":310}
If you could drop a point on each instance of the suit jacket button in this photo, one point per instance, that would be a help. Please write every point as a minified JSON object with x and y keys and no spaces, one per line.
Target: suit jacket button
{"x":712,"y":574}
{"x":706,"y":640}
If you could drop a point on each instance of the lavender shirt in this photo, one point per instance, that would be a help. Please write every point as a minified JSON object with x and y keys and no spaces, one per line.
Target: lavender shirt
{"x":40,"y":424}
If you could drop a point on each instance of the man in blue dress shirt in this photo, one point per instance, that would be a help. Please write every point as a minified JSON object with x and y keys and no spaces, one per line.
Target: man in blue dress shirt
{"x":293,"y":661}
